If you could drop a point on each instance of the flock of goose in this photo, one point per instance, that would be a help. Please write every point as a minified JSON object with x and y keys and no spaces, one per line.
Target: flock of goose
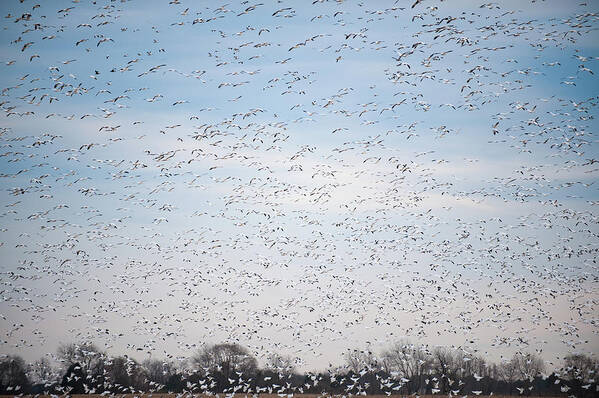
{"x":299,"y":177}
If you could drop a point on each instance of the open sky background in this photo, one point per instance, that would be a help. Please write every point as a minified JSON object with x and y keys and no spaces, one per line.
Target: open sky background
{"x":299,"y":177}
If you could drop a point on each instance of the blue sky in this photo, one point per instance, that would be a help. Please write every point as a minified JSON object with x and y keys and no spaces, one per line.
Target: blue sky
{"x":273,"y":170}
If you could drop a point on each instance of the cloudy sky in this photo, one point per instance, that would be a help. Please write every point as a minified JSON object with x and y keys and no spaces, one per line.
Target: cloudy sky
{"x":299,"y":177}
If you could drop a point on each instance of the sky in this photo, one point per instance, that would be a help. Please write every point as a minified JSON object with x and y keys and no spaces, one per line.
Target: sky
{"x":303,"y":178}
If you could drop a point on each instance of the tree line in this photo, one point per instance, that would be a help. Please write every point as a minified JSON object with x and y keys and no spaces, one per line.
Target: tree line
{"x":403,"y":368}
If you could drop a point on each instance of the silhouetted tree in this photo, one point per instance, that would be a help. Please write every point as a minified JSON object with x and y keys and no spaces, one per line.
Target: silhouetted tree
{"x":406,"y":361}
{"x":158,"y":373}
{"x":281,"y":365}
{"x":358,"y":360}
{"x":175,"y":383}
{"x":581,"y":372}
{"x":86,"y":354}
{"x":124,"y":375}
{"x":223,"y":360}
{"x":445,"y":365}
{"x":403,"y":368}
{"x":41,"y":371}
{"x":13,"y":376}
{"x":74,"y":380}
{"x":508,"y":373}
{"x":528,"y":366}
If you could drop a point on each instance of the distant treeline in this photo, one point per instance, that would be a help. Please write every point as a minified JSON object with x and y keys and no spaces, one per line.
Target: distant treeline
{"x":230,"y":368}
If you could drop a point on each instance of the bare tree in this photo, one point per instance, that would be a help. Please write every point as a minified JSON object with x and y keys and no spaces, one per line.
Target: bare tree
{"x":508,"y":372}
{"x":86,"y":354}
{"x":69,"y":354}
{"x":446,"y":365}
{"x":468,"y":365}
{"x":41,"y":371}
{"x":528,"y":366}
{"x":157,"y":371}
{"x":117,"y":374}
{"x":125,"y":375}
{"x":75,"y":381}
{"x":408,"y":362}
{"x":13,"y":376}
{"x":581,"y":371}
{"x":282,"y":365}
{"x":90,"y":361}
{"x":580,"y":367}
{"x":358,"y":360}
{"x":226,"y":359}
